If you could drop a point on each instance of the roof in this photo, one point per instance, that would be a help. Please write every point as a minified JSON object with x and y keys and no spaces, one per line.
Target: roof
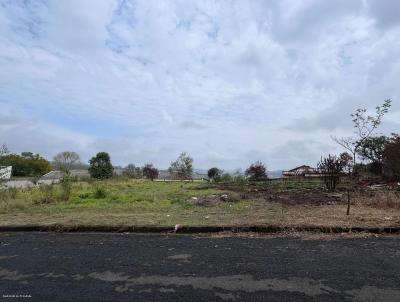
{"x":300,"y":167}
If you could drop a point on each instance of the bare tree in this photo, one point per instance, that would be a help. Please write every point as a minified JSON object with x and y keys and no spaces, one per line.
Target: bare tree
{"x":330,"y":168}
{"x":4,"y":150}
{"x":66,"y":160}
{"x":349,"y":143}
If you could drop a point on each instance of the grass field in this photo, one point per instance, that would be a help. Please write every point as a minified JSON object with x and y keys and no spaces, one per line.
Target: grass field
{"x":146,"y":203}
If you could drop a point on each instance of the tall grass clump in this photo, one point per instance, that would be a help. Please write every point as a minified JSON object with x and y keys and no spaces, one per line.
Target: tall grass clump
{"x":46,"y":195}
{"x":99,"y":192}
{"x":66,"y":186}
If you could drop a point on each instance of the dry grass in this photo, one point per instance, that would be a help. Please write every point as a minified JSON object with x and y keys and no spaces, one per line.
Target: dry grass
{"x":133,"y":203}
{"x":381,"y":200}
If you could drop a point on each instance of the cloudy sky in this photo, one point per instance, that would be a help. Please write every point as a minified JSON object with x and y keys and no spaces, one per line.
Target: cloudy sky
{"x":230,"y":82}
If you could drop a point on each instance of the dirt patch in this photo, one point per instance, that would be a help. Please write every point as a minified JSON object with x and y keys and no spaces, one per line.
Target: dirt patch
{"x":302,"y":198}
{"x":209,"y":200}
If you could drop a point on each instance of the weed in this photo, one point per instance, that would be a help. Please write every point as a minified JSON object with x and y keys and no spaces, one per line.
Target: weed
{"x":99,"y":192}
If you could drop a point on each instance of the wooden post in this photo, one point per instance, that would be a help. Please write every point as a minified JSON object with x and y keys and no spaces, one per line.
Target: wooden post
{"x":348,"y":202}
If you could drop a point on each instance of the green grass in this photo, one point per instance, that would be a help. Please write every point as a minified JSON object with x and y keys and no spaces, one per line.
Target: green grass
{"x":121,"y":202}
{"x":110,"y":194}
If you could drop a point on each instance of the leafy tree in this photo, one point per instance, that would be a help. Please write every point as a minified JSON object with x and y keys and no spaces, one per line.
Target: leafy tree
{"x":26,"y":165}
{"x":100,"y":166}
{"x":364,"y":127}
{"x":183,"y":166}
{"x":65,"y":161}
{"x":330,"y":168}
{"x":214,"y":174}
{"x":372,"y":149}
{"x":391,"y":157}
{"x":132,"y":171}
{"x":257,"y":171}
{"x":150,"y":172}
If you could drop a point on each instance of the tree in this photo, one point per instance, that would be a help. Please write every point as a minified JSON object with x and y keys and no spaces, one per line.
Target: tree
{"x":372,"y":149}
{"x":100,"y":166}
{"x":26,"y":165}
{"x":64,"y":161}
{"x":330,"y":168}
{"x":183,"y":166}
{"x":391,"y":157}
{"x":257,"y":171}
{"x":150,"y":172}
{"x":4,"y":150}
{"x":346,"y":160}
{"x":214,"y":174}
{"x":131,"y":171}
{"x":365,"y":124}
{"x":364,"y":127}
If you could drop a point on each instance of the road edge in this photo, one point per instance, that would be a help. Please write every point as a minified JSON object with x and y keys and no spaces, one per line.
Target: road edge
{"x":197,"y":229}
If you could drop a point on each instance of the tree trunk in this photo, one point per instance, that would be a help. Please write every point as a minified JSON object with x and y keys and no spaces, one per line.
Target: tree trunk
{"x":348,"y":202}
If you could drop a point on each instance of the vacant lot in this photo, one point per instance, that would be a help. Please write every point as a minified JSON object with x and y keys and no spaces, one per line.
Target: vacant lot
{"x":145,"y":203}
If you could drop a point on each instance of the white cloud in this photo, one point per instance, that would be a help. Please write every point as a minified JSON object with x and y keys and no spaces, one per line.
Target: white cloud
{"x":228,"y":81}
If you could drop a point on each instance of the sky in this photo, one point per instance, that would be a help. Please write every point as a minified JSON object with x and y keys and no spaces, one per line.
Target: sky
{"x":229,"y":82}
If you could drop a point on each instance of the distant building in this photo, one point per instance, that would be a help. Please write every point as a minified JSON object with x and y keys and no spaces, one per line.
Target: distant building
{"x":53,"y":177}
{"x":5,"y":172}
{"x":303,"y":171}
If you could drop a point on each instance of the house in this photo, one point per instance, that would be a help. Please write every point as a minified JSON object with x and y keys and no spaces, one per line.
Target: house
{"x":53,"y":177}
{"x":5,"y":172}
{"x":303,"y":171}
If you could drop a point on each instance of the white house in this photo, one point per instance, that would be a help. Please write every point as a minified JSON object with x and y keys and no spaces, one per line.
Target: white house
{"x":5,"y":172}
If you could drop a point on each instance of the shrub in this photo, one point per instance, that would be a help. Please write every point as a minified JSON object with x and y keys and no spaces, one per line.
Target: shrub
{"x":46,"y":194}
{"x":66,"y":186}
{"x":214,"y":174}
{"x":330,"y":168}
{"x":150,"y":172}
{"x":99,"y":193}
{"x":257,"y":171}
{"x":225,"y":177}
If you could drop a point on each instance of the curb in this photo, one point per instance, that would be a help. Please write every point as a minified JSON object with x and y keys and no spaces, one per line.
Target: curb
{"x":196,"y":229}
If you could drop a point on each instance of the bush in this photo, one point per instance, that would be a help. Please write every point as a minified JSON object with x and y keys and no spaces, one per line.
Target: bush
{"x":46,"y":194}
{"x":150,"y":172}
{"x":225,"y":177}
{"x":214,"y":174}
{"x":99,"y":193}
{"x":257,"y":171}
{"x":330,"y":168}
{"x":66,"y":186}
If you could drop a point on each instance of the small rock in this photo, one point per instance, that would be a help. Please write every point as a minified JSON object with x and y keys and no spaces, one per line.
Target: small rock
{"x":224,"y":197}
{"x":206,"y":217}
{"x":177,"y":227}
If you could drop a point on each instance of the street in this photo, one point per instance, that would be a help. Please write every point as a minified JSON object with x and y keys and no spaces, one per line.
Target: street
{"x":134,"y":267}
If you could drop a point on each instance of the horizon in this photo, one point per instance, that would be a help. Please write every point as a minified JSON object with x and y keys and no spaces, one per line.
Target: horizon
{"x":229,"y":82}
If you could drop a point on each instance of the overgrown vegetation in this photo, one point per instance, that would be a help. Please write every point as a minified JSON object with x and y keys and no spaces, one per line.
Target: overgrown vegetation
{"x":27,"y":164}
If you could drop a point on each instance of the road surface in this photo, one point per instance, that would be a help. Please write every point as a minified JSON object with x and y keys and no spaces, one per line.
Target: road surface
{"x":128,"y":267}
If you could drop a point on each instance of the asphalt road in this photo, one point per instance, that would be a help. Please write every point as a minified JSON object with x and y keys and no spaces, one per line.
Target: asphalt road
{"x":127,"y":267}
